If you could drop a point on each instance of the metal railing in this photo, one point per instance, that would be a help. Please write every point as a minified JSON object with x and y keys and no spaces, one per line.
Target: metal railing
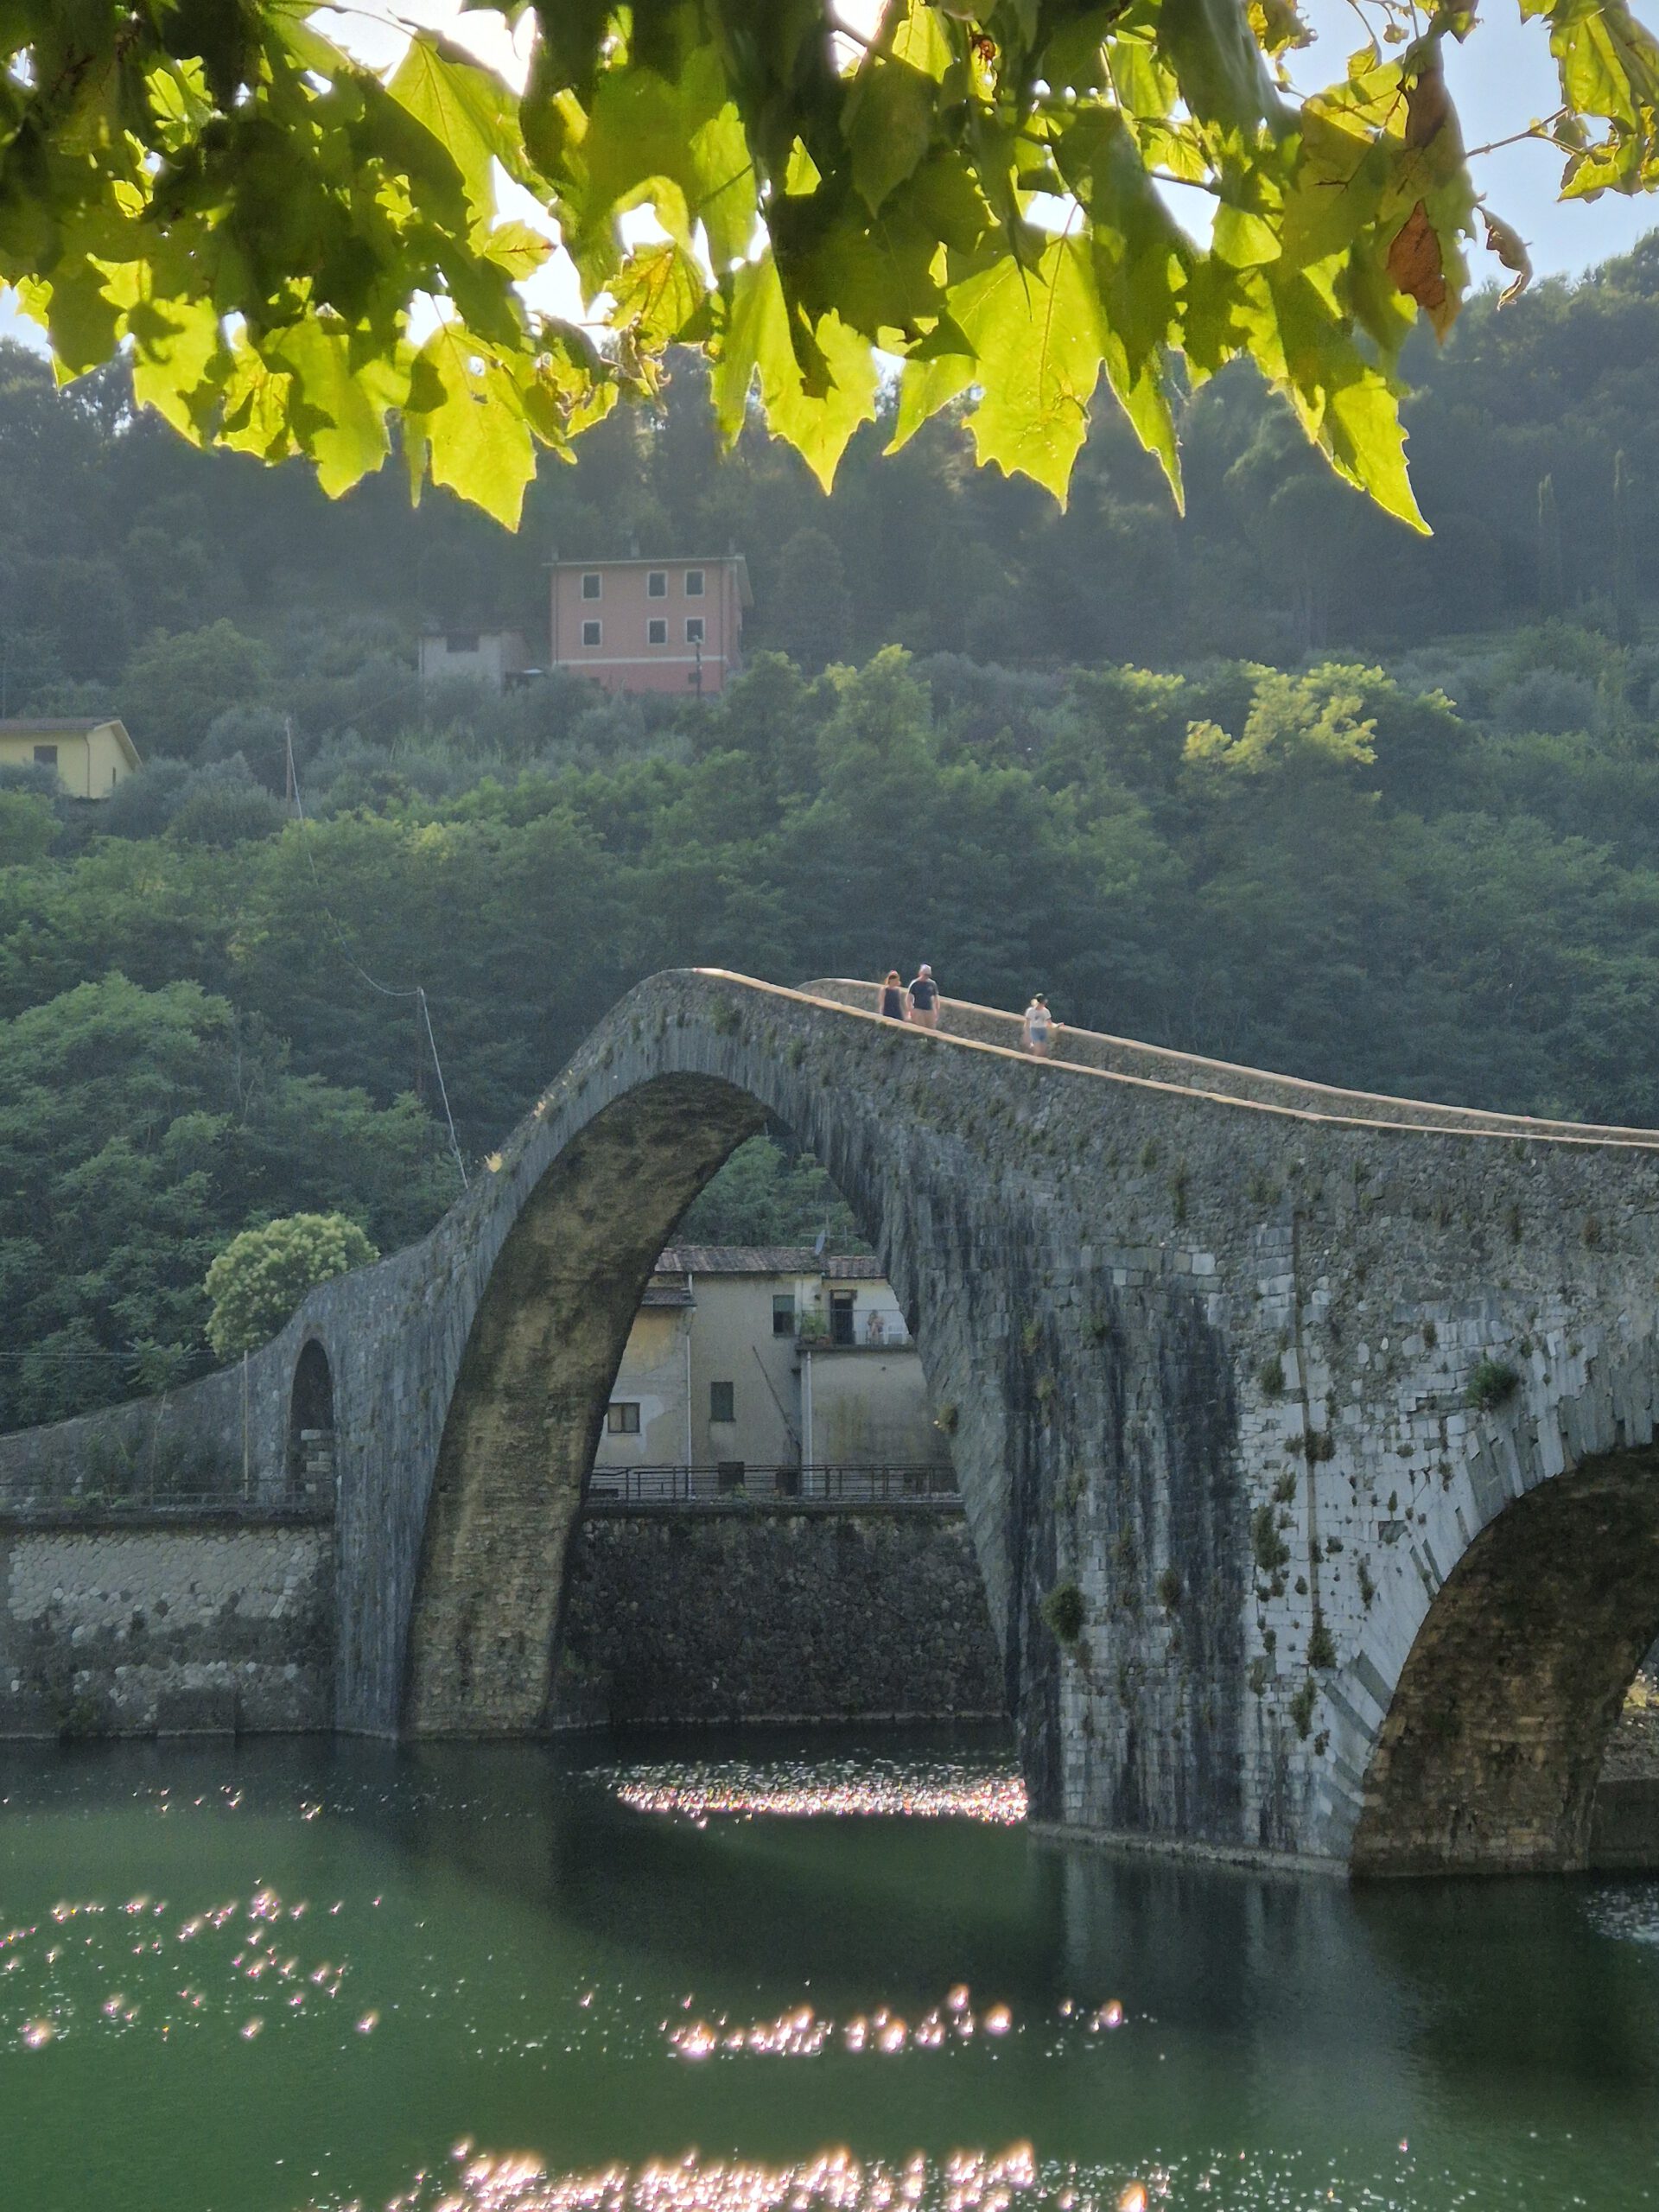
{"x":893,"y":1336}
{"x":734,"y":1482}
{"x":30,"y":1503}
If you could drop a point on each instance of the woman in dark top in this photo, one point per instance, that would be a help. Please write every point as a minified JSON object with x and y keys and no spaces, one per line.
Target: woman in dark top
{"x":890,"y":998}
{"x":923,"y":996}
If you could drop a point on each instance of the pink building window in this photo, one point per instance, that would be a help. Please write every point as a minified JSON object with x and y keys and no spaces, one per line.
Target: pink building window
{"x":593,"y":633}
{"x":694,"y":629}
{"x":656,"y":631}
{"x":694,"y":583}
{"x":593,"y":585}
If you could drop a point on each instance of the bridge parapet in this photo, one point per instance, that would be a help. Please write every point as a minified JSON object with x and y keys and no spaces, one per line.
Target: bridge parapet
{"x":1161,"y":1065}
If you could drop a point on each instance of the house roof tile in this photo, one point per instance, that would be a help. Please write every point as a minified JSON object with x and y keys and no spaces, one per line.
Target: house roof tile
{"x":768,"y":1260}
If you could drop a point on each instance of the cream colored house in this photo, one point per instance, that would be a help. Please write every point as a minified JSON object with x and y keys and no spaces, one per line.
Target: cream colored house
{"x":767,"y":1367}
{"x":89,"y":757}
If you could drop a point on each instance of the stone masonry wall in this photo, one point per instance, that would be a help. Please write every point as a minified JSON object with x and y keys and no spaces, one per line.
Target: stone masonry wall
{"x":136,"y":1629}
{"x":762,"y":1613}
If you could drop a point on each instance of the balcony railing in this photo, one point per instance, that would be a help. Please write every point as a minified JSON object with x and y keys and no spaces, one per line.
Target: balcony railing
{"x":814,"y":1335}
{"x":733,"y":1482}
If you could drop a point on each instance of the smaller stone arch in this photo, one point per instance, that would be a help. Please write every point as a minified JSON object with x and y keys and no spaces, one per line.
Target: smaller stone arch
{"x":310,"y":1455}
{"x":1488,"y":1758}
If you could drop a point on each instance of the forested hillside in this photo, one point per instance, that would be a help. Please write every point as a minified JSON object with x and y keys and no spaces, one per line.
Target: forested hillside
{"x":1278,"y":782}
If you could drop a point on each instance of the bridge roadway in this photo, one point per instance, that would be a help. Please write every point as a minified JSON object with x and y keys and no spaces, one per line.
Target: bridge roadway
{"x":1305,"y":1436}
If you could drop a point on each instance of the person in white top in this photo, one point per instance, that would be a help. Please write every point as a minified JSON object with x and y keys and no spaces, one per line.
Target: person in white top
{"x":921,"y":999}
{"x":1040,"y":1026}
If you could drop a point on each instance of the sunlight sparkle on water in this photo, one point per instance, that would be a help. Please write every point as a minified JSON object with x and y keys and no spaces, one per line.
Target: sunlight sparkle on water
{"x":833,"y":2181}
{"x":803,"y":2032}
{"x":830,"y":1788}
{"x":94,"y":1956}
{"x":837,"y":2180}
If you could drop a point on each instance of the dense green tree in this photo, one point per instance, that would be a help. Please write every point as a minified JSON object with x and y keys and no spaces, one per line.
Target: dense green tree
{"x":259,"y":1279}
{"x":814,"y":620}
{"x":175,"y":687}
{"x":764,"y":1195}
{"x":140,"y":1130}
{"x":27,"y":827}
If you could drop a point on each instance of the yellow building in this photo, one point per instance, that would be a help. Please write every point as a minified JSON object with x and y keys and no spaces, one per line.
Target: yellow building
{"x":89,"y":756}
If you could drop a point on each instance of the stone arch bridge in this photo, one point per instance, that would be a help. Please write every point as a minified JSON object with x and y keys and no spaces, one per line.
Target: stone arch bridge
{"x":1305,"y":1437}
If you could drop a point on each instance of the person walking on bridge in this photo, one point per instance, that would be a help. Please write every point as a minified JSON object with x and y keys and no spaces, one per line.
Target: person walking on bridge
{"x":890,"y":998}
{"x":1039,"y":1026}
{"x":924,"y":998}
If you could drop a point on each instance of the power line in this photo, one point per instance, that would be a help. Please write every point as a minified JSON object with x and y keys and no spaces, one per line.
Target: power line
{"x":415,"y":991}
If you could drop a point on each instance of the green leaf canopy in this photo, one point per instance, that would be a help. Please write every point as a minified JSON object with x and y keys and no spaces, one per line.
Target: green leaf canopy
{"x":307,"y":258}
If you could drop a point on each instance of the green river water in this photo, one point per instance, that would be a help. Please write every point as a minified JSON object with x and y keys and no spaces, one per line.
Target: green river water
{"x":750,"y":1973}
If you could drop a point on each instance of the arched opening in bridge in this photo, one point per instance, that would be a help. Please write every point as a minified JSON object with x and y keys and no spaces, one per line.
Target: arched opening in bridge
{"x":311,"y":1425}
{"x":656,"y":1504}
{"x":1491,"y":1755}
{"x":772,"y":1526}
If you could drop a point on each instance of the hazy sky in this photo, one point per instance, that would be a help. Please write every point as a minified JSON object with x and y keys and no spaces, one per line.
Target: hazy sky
{"x":1499,"y":82}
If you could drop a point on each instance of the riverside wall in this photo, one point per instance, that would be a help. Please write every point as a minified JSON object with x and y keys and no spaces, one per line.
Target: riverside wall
{"x":165,"y":1625}
{"x":762,"y":1613}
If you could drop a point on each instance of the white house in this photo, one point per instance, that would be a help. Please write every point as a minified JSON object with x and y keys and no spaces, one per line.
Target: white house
{"x":499,"y":657}
{"x":772,"y":1368}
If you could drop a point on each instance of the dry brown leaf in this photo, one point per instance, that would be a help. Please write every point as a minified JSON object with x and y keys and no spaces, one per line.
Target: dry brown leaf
{"x":1507,"y":243}
{"x":1415,"y":267}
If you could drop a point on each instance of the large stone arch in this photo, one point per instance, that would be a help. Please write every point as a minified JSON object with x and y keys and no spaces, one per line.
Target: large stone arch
{"x":524,"y":1418}
{"x":540,"y":1358}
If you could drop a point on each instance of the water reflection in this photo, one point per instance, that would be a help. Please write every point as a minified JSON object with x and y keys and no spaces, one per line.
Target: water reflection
{"x":298,"y":1974}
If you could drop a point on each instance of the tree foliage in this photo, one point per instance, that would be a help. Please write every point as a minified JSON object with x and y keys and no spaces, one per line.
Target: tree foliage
{"x":763,"y":1195}
{"x":257,"y":1282}
{"x":258,"y":217}
{"x":140,"y":1128}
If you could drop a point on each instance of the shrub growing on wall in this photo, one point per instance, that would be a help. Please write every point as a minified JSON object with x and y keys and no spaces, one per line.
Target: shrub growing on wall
{"x":257,"y":1282}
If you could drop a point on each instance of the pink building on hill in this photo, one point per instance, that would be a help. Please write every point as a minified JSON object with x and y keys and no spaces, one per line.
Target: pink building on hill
{"x":650,"y":626}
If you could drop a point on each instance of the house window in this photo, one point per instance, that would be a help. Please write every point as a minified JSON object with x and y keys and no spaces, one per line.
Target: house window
{"x":694,"y":583}
{"x":461,"y":641}
{"x":593,"y":633}
{"x":656,"y":631}
{"x":723,"y":1397}
{"x":45,"y":756}
{"x":783,"y":1314}
{"x":694,"y":629}
{"x":841,"y":1303}
{"x":656,"y":584}
{"x":622,"y":1419}
{"x":591,"y":584}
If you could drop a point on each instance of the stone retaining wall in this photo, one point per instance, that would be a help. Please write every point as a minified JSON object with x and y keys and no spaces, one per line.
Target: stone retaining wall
{"x":180,"y":1628}
{"x":774,"y":1613}
{"x":1624,"y":1836}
